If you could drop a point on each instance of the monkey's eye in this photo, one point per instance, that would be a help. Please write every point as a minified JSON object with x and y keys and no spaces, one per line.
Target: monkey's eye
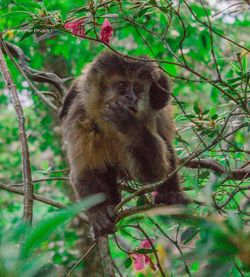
{"x":138,"y":89}
{"x":121,"y":86}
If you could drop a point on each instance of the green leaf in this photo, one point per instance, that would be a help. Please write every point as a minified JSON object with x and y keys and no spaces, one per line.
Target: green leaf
{"x":199,"y":11}
{"x":204,"y":174}
{"x":144,"y":251}
{"x":204,"y":39}
{"x":212,"y":112}
{"x":214,"y":117}
{"x":4,"y":4}
{"x":195,"y":266}
{"x":16,"y":232}
{"x":46,"y":227}
{"x":141,"y":201}
{"x":128,"y":262}
{"x":189,"y":234}
{"x":45,"y":166}
{"x":196,"y":108}
{"x":236,"y":68}
{"x":171,"y":69}
{"x":27,"y":4}
{"x":244,"y":63}
{"x":27,"y":34}
{"x":233,"y":80}
{"x":142,"y":12}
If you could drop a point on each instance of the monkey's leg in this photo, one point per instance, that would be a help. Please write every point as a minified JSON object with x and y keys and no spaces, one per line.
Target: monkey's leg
{"x":169,"y":191}
{"x":101,"y":217}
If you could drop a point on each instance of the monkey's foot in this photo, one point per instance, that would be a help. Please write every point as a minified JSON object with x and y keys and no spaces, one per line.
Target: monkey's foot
{"x":171,"y":198}
{"x":102,"y":220}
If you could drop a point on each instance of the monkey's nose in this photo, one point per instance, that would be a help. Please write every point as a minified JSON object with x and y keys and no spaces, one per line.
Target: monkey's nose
{"x":132,"y":104}
{"x":131,"y":99}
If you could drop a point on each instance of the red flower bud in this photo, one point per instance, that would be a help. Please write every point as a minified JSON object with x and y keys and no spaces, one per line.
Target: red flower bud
{"x":106,"y":31}
{"x":145,"y":244}
{"x":76,"y":27}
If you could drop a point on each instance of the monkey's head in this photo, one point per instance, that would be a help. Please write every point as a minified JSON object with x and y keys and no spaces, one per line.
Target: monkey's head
{"x":141,"y":82}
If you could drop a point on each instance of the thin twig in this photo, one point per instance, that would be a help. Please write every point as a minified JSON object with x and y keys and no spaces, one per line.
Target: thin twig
{"x":175,"y":243}
{"x":153,"y":248}
{"x":82,"y":258}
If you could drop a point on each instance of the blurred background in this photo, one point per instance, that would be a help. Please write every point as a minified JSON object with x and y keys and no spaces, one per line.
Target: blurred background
{"x":204,"y":48}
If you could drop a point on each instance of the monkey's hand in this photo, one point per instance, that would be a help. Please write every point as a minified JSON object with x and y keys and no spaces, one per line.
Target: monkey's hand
{"x":121,"y":114}
{"x":102,"y":220}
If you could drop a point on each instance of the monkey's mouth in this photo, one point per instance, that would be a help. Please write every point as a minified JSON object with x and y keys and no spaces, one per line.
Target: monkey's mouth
{"x":133,"y":109}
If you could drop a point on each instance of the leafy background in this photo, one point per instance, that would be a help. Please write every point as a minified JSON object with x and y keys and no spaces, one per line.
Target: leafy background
{"x":210,"y":79}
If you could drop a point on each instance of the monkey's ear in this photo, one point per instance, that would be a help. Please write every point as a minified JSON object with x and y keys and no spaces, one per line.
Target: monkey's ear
{"x":67,"y":102}
{"x":159,"y":92}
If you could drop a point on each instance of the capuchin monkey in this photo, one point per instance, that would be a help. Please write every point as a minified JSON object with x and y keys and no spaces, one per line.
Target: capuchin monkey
{"x":116,"y":120}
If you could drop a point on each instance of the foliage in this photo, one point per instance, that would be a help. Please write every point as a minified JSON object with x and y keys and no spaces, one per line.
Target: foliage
{"x":203,"y":46}
{"x":24,"y":259}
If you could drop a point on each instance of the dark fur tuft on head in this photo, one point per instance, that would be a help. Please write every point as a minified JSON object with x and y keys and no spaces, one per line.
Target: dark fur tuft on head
{"x":111,"y":62}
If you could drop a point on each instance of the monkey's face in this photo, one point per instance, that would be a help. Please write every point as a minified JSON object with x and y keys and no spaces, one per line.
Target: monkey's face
{"x":138,"y":85}
{"x":131,"y":92}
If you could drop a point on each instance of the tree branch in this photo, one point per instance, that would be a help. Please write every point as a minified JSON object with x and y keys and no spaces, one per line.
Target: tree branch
{"x":33,"y":74}
{"x":37,"y":197}
{"x":237,"y":174}
{"x":105,"y":257}
{"x":22,"y":71}
{"x":26,"y":170}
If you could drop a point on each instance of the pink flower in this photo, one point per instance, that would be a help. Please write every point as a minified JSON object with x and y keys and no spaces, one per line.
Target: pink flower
{"x":154,"y":193}
{"x":145,"y":244}
{"x":148,"y":260}
{"x":73,"y":24}
{"x":140,"y":261}
{"x":106,"y":31}
{"x":76,"y":27}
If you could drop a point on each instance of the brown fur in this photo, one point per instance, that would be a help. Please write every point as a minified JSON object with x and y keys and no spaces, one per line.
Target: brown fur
{"x":98,"y":148}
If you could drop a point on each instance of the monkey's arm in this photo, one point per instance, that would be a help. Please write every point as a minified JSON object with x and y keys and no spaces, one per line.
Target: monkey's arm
{"x":169,"y":191}
{"x":150,"y":158}
{"x":147,"y":154}
{"x":152,"y":162}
